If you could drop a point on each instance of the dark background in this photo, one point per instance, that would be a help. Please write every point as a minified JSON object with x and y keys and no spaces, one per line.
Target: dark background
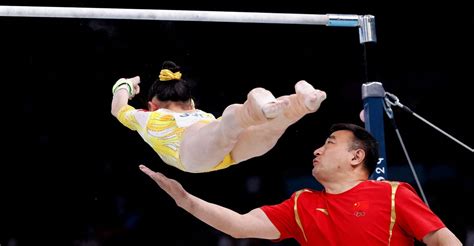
{"x":69,"y":174}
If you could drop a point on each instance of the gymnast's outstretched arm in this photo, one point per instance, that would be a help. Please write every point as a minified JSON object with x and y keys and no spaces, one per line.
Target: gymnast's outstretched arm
{"x":124,"y":90}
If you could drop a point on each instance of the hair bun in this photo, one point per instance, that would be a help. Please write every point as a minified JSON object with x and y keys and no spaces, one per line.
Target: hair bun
{"x":170,"y":66}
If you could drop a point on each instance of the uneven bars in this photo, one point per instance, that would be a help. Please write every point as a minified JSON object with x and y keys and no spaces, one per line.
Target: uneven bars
{"x":346,"y":20}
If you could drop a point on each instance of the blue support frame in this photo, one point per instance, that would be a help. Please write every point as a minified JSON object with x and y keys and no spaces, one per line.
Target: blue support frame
{"x":373,"y":95}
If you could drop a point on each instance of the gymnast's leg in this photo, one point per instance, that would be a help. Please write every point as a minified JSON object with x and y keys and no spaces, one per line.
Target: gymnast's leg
{"x":205,"y":145}
{"x":259,"y":139}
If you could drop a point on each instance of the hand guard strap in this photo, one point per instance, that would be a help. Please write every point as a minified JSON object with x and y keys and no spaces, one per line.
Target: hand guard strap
{"x":124,"y":83}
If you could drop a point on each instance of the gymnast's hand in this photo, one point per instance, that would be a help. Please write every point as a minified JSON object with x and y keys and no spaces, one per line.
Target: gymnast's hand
{"x":170,"y":186}
{"x":136,"y":85}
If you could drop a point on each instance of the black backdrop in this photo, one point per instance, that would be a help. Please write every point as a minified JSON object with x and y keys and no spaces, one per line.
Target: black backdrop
{"x":70,"y":176}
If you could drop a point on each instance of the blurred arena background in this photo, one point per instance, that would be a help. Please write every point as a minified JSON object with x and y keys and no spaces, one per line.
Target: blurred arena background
{"x":70,"y":170}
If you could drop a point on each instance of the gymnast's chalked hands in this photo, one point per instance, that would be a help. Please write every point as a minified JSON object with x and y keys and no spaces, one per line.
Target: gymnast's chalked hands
{"x":136,"y":85}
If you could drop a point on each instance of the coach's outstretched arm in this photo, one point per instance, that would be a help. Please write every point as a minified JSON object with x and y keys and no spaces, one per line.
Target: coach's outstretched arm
{"x":254,"y":224}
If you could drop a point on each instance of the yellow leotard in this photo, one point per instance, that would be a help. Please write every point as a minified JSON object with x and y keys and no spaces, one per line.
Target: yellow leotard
{"x":163,"y":130}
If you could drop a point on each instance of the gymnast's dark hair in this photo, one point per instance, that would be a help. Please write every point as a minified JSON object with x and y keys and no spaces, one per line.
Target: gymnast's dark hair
{"x":177,"y":90}
{"x":362,"y":140}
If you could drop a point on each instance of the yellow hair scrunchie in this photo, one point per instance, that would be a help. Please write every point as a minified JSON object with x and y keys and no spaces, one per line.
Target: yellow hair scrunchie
{"x":166,"y":75}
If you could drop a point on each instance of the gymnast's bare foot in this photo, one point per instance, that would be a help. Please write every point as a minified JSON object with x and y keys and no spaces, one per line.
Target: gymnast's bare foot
{"x":311,"y":97}
{"x":262,"y":105}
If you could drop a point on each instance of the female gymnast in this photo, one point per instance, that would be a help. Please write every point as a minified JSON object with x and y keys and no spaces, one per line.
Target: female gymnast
{"x":195,"y":141}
